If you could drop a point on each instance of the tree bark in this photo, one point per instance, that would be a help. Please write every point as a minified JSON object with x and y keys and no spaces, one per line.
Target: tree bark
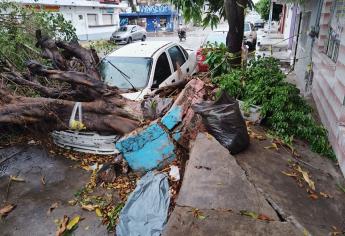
{"x":234,"y":12}
{"x":103,"y":109}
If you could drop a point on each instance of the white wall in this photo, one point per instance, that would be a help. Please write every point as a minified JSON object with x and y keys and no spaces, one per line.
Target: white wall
{"x":78,"y":16}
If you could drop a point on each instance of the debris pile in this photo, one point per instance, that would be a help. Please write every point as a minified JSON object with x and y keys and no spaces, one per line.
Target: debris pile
{"x":159,"y":148}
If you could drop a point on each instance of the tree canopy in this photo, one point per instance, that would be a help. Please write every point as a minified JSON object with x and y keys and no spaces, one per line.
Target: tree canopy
{"x":18,"y":25}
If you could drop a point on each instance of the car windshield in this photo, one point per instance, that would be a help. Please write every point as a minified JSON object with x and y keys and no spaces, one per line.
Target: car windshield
{"x":216,"y":38}
{"x":246,"y":27}
{"x":123,"y":29}
{"x":115,"y":70}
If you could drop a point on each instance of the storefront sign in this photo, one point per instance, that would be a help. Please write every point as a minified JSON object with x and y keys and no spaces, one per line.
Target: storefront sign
{"x":155,"y":9}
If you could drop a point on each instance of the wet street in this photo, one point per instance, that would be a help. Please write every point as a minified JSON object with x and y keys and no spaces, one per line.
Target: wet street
{"x":195,"y":37}
{"x":41,"y":180}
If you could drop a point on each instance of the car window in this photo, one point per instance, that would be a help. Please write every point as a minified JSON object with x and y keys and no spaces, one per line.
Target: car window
{"x":162,"y":71}
{"x":123,"y":29}
{"x":216,"y":38}
{"x":185,"y":53}
{"x":114,"y":71}
{"x":176,"y":56}
{"x":134,"y":28}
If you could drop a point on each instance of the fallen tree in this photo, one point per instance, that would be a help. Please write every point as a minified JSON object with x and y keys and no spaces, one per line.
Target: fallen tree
{"x":72,"y":77}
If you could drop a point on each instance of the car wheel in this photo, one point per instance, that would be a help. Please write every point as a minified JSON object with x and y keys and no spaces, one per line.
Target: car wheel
{"x":129,"y":40}
{"x":143,"y":38}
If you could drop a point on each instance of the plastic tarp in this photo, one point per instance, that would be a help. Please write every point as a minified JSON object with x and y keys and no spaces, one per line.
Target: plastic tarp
{"x":146,"y":209}
{"x":224,"y":121}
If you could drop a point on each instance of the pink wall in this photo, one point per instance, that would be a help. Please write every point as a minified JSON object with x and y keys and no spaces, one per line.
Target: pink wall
{"x":329,"y":87}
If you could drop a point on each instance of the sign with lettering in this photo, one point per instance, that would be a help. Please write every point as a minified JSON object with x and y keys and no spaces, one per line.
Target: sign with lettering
{"x":155,"y":9}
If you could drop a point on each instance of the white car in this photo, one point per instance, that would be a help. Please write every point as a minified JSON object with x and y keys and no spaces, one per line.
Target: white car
{"x":141,"y":67}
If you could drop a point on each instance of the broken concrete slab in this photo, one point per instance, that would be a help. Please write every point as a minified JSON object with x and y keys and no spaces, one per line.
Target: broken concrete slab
{"x":213,"y":180}
{"x":154,"y":145}
{"x":148,"y":148}
{"x":220,"y":223}
{"x":33,"y":198}
{"x":264,"y":169}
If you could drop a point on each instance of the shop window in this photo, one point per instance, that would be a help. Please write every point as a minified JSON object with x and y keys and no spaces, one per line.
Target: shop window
{"x":176,"y":56}
{"x":107,"y":19}
{"x":162,"y":71}
{"x":335,"y":29}
{"x":92,"y":19}
{"x":333,"y":44}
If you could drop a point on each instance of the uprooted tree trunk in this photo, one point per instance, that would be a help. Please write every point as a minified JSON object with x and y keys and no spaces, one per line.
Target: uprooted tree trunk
{"x":73,"y":78}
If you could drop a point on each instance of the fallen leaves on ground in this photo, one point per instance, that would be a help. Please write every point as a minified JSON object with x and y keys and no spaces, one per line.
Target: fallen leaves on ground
{"x":6,"y":209}
{"x":313,"y":196}
{"x":62,"y":226}
{"x":302,"y":178}
{"x":335,"y":231}
{"x":289,"y":174}
{"x":198,"y":214}
{"x":255,"y":215}
{"x":89,"y":207}
{"x":326,"y":195}
{"x":273,"y":146}
{"x":16,"y":179}
{"x":43,"y":180}
{"x":72,"y":223}
{"x":66,"y":226}
{"x":306,"y":178}
{"x":98,"y":212}
{"x":253,"y":134}
{"x":264,"y":217}
{"x":52,"y":207}
{"x":251,"y":214}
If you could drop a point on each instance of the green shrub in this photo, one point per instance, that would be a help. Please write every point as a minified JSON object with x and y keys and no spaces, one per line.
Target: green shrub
{"x":285,"y":111}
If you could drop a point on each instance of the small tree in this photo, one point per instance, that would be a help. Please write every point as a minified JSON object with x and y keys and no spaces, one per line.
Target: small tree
{"x":263,"y":8}
{"x":231,"y":10}
{"x":18,"y":25}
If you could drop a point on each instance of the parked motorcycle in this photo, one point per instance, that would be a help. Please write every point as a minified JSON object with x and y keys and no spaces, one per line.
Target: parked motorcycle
{"x":182,"y":34}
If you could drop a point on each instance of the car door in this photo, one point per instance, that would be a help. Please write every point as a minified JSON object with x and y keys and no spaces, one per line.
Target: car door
{"x":178,"y":63}
{"x":162,"y":71}
{"x":134,"y":33}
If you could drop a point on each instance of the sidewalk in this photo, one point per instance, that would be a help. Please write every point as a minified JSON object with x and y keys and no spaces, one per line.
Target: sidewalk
{"x":218,"y":188}
{"x":248,"y":194}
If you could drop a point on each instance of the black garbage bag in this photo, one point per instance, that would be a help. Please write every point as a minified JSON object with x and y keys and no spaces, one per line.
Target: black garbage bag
{"x":224,"y":121}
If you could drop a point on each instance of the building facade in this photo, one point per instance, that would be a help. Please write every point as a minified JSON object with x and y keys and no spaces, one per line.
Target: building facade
{"x":320,"y":65}
{"x":160,"y":17}
{"x":92,"y":20}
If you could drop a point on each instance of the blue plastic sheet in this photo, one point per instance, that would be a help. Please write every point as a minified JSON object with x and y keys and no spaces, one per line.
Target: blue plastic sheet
{"x":146,"y":209}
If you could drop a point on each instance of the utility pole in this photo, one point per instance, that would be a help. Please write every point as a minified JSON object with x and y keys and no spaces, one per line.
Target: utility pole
{"x":270,"y":17}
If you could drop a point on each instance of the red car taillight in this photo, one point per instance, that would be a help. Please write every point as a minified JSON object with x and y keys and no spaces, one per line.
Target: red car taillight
{"x":200,"y":57}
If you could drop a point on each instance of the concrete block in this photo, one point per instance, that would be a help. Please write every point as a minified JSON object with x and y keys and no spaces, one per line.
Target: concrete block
{"x":154,"y":146}
{"x":221,"y":223}
{"x":213,"y":180}
{"x":148,"y":148}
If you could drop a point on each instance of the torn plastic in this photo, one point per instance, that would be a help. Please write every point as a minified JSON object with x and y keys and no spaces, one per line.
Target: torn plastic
{"x":174,"y":173}
{"x":155,"y":107}
{"x":146,"y":209}
{"x":224,"y":121}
